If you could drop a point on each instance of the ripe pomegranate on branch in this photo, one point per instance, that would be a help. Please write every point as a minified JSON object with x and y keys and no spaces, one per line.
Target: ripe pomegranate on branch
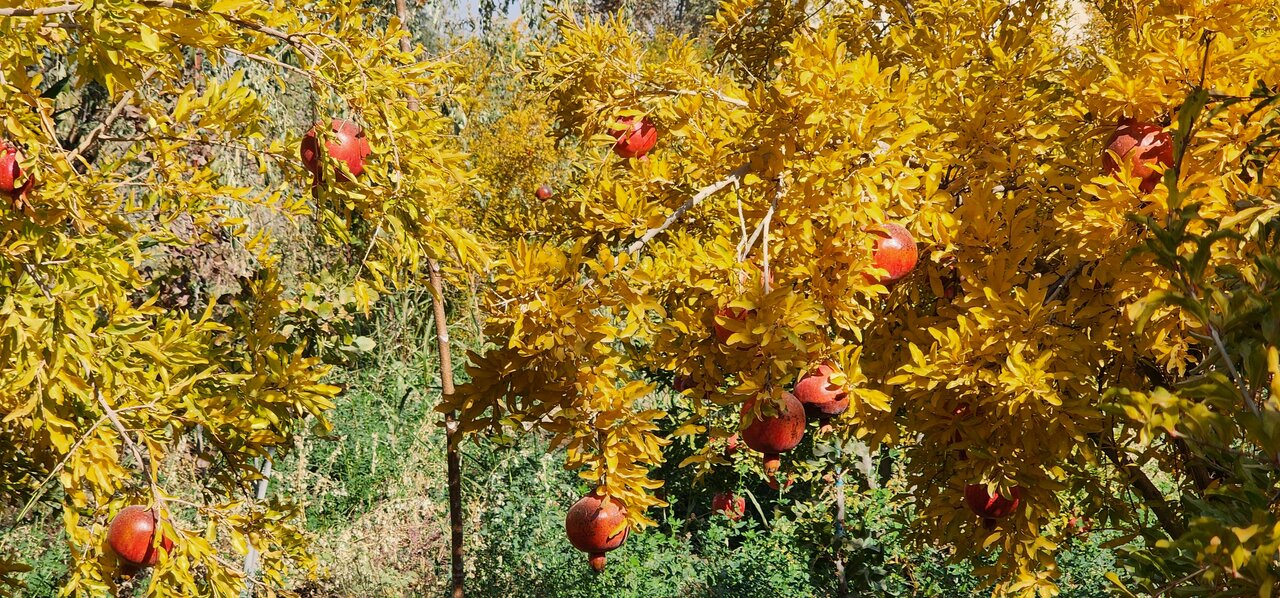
{"x":11,"y":170}
{"x":348,"y":146}
{"x":774,"y":434}
{"x":1142,"y":145}
{"x":635,"y":138}
{"x":132,"y":537}
{"x":596,"y":525}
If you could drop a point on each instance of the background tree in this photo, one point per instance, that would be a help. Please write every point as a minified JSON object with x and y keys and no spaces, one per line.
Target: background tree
{"x":138,"y":169}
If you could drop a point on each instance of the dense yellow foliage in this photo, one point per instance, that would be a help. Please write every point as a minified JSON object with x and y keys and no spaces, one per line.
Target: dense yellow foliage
{"x":802,"y":126}
{"x":103,"y":368}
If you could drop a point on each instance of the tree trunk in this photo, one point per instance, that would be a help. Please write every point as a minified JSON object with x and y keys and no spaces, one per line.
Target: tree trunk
{"x":452,"y":458}
{"x":451,"y":432}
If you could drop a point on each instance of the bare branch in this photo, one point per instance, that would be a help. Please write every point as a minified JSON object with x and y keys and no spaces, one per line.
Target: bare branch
{"x":41,"y":11}
{"x":115,"y":113}
{"x":1151,"y":496}
{"x":698,"y":198}
{"x":710,"y":93}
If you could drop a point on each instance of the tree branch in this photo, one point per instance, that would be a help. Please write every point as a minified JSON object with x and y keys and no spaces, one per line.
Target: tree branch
{"x":1138,"y":479}
{"x":40,"y":12}
{"x":172,"y":4}
{"x":698,"y":198}
{"x":115,"y":113}
{"x":713,"y":94}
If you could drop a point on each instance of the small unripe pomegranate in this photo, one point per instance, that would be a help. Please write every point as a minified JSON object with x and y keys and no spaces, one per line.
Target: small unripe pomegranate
{"x":989,"y":506}
{"x":822,"y":399}
{"x":543,"y":192}
{"x":11,"y":169}
{"x":733,"y":507}
{"x":348,"y":145}
{"x":131,"y":536}
{"x":1142,"y":145}
{"x":775,"y":434}
{"x":636,"y":138}
{"x":895,"y":252}
{"x":595,"y":526}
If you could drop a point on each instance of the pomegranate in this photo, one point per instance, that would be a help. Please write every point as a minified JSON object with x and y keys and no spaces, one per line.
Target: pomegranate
{"x":989,"y":506}
{"x":822,"y":399}
{"x":733,"y":507}
{"x":1142,"y":145}
{"x":775,"y":434}
{"x":11,"y":169}
{"x":683,"y":382}
{"x":543,"y":192}
{"x":595,"y":526}
{"x":349,"y":146}
{"x":131,"y":536}
{"x":636,"y":137}
{"x":731,"y":445}
{"x":895,"y":252}
{"x":730,"y":313}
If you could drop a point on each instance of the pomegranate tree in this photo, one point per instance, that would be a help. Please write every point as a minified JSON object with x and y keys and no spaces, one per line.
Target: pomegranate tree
{"x":635,"y":138}
{"x":132,"y":537}
{"x":822,"y":398}
{"x":596,"y":525}
{"x":348,"y":146}
{"x":731,"y":506}
{"x":775,"y":434}
{"x":895,"y":252}
{"x":1142,"y":145}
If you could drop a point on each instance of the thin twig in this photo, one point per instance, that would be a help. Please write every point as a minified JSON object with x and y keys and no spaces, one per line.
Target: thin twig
{"x":701,"y":195}
{"x":31,"y":271}
{"x":709,"y":93}
{"x":115,"y":113}
{"x":1178,"y":582}
{"x":41,"y":11}
{"x":1061,"y":284}
{"x":768,"y":217}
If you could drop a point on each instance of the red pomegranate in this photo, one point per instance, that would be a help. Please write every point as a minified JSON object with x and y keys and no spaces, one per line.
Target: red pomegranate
{"x":989,"y":506}
{"x":595,"y":526}
{"x":895,"y":252}
{"x":774,"y":434}
{"x":636,"y":138}
{"x":348,"y":145}
{"x":683,"y":382}
{"x":733,"y":507}
{"x":730,"y":313}
{"x":1142,"y":145}
{"x":543,"y":192}
{"x":822,"y":399}
{"x":11,"y":169}
{"x":957,"y":438}
{"x":131,"y":536}
{"x":731,"y":445}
